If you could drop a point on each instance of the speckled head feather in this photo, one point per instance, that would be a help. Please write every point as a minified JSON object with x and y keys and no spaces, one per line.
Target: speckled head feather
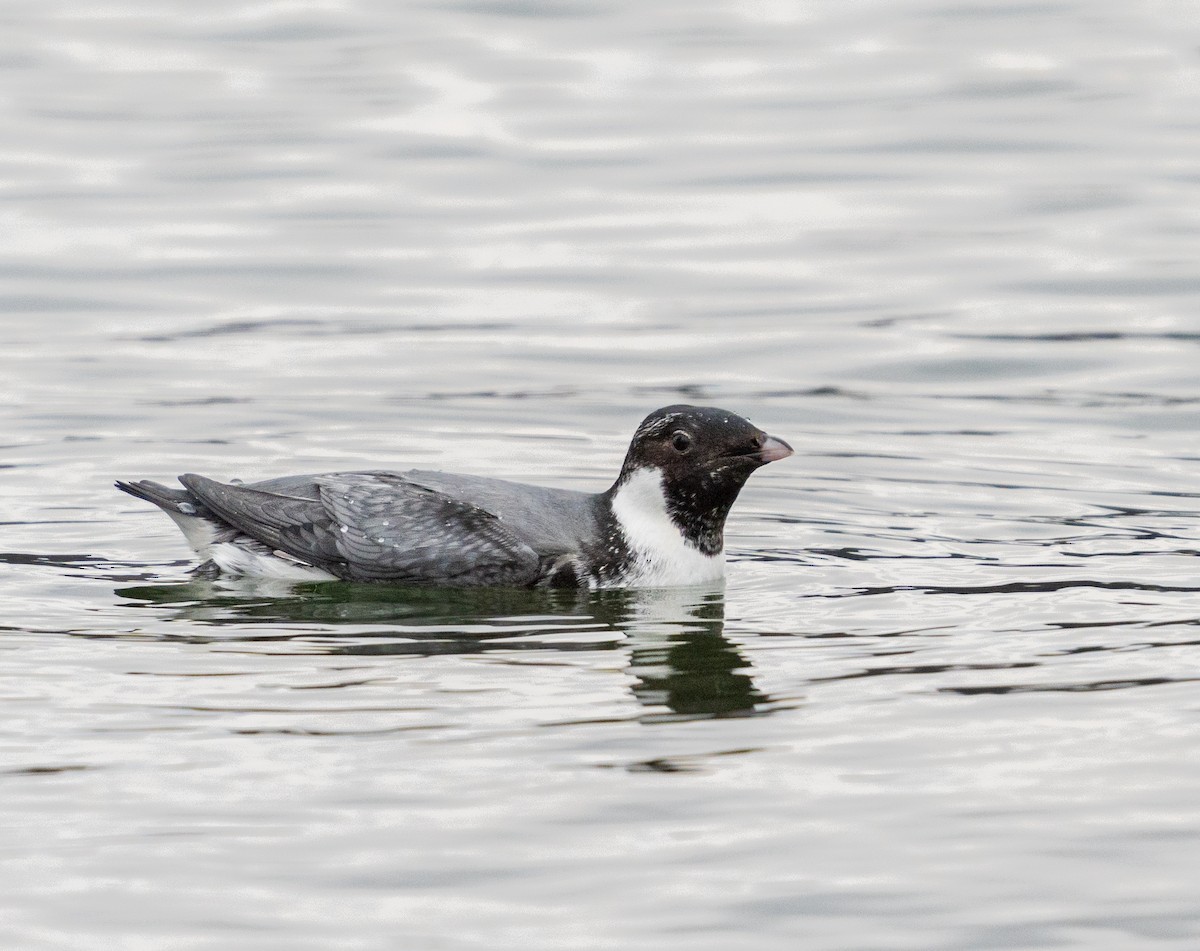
{"x":704,"y":456}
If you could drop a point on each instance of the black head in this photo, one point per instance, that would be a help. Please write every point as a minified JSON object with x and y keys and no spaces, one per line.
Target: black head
{"x":705,"y":456}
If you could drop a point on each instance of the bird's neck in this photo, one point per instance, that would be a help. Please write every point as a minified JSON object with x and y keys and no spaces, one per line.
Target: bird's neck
{"x":656,"y":518}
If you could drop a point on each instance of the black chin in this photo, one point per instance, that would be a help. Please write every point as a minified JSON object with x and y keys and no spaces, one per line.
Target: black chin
{"x":742,"y":460}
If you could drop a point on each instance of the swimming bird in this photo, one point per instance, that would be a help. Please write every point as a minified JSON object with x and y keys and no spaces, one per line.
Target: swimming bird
{"x":660,"y":524}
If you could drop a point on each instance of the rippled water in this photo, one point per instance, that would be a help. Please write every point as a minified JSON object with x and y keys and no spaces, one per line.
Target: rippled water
{"x":948,"y":696}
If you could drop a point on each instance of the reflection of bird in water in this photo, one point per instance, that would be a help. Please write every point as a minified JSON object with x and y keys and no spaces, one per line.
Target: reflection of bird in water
{"x":681,"y":660}
{"x":681,"y":657}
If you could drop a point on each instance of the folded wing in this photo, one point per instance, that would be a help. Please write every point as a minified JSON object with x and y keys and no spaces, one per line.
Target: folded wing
{"x":374,"y":526}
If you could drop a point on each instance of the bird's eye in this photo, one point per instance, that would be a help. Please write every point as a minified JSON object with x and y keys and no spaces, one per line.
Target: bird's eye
{"x":681,"y":442}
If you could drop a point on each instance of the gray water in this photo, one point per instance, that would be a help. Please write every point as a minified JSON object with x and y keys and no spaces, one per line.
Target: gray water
{"x":948,"y":696}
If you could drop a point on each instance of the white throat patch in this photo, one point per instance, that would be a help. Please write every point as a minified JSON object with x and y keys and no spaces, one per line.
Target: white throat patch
{"x":661,"y":556}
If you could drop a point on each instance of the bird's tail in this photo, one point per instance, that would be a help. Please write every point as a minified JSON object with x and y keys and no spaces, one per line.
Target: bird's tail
{"x":170,"y":500}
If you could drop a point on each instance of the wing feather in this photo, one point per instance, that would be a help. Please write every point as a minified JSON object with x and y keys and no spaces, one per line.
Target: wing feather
{"x":391,"y":528}
{"x":375,"y":526}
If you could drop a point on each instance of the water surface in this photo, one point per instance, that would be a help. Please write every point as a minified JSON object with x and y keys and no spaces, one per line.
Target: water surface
{"x":947,"y":698}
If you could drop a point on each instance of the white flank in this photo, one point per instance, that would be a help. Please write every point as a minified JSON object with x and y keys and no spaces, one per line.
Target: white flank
{"x":662,"y":558}
{"x":199,"y":532}
{"x":234,"y":559}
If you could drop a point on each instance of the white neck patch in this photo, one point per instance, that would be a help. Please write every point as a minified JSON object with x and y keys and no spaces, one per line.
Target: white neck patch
{"x":661,"y":556}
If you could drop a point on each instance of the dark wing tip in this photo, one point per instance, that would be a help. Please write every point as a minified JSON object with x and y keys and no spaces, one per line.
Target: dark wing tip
{"x":147,"y":491}
{"x":191,"y":479}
